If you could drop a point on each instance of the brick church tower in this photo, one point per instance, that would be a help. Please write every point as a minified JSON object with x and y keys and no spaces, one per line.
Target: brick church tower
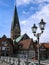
{"x":15,"y":27}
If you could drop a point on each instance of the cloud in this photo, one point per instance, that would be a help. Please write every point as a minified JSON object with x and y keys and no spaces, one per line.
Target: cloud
{"x":24,"y":2}
{"x":36,"y":18}
{"x":25,"y":13}
{"x":45,"y":36}
{"x":23,"y":22}
{"x":40,"y":1}
{"x":32,"y":8}
{"x":43,"y":13}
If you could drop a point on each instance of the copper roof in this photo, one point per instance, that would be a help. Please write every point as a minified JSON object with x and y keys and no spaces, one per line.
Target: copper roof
{"x":25,"y":43}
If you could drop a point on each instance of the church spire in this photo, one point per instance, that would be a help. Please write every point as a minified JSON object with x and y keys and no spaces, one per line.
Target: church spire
{"x":15,"y":28}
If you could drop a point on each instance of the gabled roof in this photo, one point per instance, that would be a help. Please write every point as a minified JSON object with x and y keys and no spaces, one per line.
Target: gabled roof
{"x":25,"y":43}
{"x":6,"y":39}
{"x":4,"y":36}
{"x":22,"y":37}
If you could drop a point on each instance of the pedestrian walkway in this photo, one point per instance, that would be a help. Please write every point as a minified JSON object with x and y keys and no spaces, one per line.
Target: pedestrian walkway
{"x":16,"y":61}
{"x":3,"y":63}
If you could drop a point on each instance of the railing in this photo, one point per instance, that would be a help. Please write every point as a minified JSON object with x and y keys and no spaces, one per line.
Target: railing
{"x":15,"y":61}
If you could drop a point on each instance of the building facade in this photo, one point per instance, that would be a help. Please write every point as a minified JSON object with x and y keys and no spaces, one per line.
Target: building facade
{"x":6,"y":46}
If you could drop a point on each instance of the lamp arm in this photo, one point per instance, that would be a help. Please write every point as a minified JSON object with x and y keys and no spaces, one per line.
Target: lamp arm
{"x":38,"y":34}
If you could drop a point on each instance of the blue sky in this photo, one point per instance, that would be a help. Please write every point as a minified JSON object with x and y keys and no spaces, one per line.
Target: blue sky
{"x":29,"y":12}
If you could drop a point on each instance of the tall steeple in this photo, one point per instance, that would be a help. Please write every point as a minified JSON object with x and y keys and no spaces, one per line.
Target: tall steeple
{"x":15,"y":27}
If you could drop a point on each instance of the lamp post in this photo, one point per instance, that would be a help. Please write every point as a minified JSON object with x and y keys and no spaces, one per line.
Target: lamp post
{"x":34,"y":29}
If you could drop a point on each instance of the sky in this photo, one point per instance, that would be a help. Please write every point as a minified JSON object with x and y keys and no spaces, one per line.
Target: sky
{"x":29,"y":12}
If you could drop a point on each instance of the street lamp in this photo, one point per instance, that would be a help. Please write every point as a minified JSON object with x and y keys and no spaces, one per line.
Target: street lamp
{"x":42,"y":24}
{"x":34,"y":29}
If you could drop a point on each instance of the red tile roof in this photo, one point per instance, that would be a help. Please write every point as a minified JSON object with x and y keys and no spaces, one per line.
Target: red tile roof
{"x":46,"y":45}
